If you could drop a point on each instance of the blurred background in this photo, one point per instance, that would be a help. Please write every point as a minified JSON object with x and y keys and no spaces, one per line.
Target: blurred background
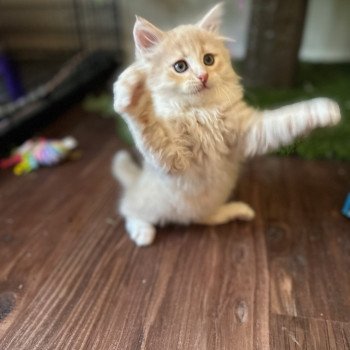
{"x":56,"y":53}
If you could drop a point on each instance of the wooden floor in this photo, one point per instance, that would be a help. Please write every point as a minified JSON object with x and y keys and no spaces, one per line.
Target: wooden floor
{"x":71,"y":279}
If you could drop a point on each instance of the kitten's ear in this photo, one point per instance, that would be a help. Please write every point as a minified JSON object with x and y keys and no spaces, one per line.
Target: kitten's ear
{"x":212,"y":20}
{"x":146,"y":35}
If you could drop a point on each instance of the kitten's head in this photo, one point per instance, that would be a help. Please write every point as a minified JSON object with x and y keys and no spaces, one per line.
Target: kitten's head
{"x":188,"y":65}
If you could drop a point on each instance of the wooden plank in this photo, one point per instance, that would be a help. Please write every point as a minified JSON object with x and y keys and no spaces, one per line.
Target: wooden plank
{"x":308,"y":333}
{"x":307,"y":237}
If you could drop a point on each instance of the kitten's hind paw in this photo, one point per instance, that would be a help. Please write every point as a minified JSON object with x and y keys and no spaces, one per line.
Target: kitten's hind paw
{"x":242,"y":211}
{"x":228,"y":212}
{"x":141,"y":232}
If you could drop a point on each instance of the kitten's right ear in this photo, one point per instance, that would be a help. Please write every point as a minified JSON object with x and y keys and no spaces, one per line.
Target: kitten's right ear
{"x":212,"y":20}
{"x":146,"y":35}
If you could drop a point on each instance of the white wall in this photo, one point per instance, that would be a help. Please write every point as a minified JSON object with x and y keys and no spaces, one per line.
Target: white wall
{"x":326,"y":35}
{"x":327,"y":31}
{"x":169,"y":13}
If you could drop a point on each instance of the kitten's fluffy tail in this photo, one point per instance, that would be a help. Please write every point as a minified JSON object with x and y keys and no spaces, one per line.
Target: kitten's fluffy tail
{"x":124,"y":169}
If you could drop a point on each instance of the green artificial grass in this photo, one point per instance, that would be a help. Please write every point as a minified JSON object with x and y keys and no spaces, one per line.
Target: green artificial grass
{"x":312,"y":81}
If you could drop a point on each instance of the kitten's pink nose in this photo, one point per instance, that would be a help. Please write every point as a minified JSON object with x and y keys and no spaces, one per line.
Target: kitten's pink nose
{"x":203,"y":77}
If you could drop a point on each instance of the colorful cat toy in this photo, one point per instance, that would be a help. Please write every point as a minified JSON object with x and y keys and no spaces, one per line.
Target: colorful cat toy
{"x":35,"y":153}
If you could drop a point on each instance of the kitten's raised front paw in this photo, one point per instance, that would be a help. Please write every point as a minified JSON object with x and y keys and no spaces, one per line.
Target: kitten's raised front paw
{"x":129,"y":90}
{"x":326,"y":110}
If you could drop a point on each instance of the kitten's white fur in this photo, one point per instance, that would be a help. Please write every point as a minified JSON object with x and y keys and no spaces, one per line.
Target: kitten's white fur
{"x":193,"y":137}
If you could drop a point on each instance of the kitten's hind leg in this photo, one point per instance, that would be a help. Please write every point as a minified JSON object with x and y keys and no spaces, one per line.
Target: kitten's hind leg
{"x":141,"y":232}
{"x":229,"y":211}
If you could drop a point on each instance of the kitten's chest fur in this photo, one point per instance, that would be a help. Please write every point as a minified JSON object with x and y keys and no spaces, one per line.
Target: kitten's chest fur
{"x":205,"y":134}
{"x":213,"y":167}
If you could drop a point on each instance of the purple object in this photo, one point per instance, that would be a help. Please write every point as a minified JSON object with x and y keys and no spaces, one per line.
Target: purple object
{"x":10,"y":76}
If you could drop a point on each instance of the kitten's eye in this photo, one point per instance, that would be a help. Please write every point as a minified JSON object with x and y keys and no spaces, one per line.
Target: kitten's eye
{"x":208,"y":59}
{"x":180,"y":66}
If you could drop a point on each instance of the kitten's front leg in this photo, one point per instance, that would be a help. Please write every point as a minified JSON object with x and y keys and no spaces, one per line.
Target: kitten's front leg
{"x":270,"y":129}
{"x":155,"y":140}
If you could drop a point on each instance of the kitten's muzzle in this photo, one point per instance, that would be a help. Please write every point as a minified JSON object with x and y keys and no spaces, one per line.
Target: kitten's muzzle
{"x":203,"y":77}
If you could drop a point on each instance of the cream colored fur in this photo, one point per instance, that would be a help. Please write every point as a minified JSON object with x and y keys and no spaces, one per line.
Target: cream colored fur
{"x":192,"y":135}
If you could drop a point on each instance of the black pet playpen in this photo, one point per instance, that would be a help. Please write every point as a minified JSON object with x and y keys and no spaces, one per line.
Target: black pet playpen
{"x":72,"y":45}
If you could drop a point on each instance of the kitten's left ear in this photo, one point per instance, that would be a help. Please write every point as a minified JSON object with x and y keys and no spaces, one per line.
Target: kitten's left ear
{"x":212,"y":20}
{"x":146,"y":35}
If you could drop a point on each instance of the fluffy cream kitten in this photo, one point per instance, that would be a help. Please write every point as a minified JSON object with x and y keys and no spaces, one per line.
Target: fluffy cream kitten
{"x":183,"y":104}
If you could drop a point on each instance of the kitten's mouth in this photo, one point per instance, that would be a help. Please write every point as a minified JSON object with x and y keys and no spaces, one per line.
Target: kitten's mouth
{"x":199,"y":89}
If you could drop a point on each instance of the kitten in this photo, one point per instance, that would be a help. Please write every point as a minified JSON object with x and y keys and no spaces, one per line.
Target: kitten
{"x":184,"y":106}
